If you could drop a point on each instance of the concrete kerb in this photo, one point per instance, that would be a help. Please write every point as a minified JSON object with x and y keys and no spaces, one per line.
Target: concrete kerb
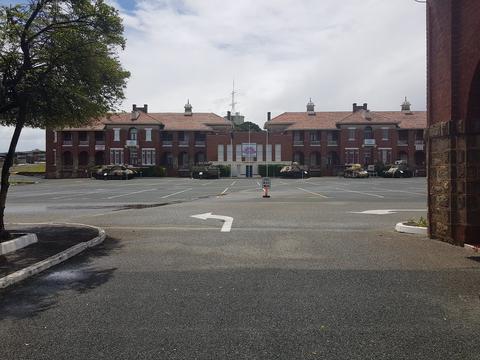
{"x":408,"y":229}
{"x":19,"y":243}
{"x":34,"y":269}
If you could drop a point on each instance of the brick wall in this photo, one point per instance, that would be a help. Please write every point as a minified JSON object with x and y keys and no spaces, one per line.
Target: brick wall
{"x":452,"y":136}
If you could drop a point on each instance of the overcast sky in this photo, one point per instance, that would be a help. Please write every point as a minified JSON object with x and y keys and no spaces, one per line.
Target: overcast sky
{"x":280,"y":53}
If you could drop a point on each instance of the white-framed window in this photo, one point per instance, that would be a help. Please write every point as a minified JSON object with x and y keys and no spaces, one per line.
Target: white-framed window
{"x":54,"y":157}
{"x":269,"y":152}
{"x":54,"y":136}
{"x":229,"y":153}
{"x":278,"y":152}
{"x":148,"y":134}
{"x":133,"y":133}
{"x":220,"y":153}
{"x":351,"y":133}
{"x":385,"y":134}
{"x":351,"y":156}
{"x":116,"y":156}
{"x":238,"y":152}
{"x":385,"y":155}
{"x":260,"y":152}
{"x":148,"y":156}
{"x":116,"y":134}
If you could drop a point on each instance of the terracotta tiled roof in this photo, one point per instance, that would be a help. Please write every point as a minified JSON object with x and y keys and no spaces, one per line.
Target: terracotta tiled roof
{"x":412,"y":120}
{"x":304,"y":121}
{"x":171,"y":121}
{"x":332,"y":120}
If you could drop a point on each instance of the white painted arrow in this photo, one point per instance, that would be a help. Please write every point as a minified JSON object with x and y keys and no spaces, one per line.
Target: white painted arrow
{"x":227,"y":220}
{"x":385,"y":212}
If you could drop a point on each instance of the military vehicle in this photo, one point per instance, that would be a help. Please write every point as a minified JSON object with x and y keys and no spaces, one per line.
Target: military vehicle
{"x":114,"y":172}
{"x":399,"y":170}
{"x":205,"y":171}
{"x":294,"y":171}
{"x":355,"y":171}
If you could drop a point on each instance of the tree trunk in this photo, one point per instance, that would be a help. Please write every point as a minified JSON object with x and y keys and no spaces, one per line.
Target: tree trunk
{"x":4,"y":185}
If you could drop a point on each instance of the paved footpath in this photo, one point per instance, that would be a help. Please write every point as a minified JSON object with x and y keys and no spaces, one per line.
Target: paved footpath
{"x":304,"y":275}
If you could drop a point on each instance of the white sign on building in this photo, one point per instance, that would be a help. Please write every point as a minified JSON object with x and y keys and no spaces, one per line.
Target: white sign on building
{"x":249,"y":150}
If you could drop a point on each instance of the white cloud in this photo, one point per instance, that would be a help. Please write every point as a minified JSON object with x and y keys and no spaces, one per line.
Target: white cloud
{"x":280,"y":53}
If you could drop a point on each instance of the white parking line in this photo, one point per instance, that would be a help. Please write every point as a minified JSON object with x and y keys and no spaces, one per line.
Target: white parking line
{"x":224,"y":191}
{"x":175,"y":193}
{"x":233,"y":183}
{"x":362,"y":192}
{"x":98,"y":191}
{"x":313,"y":193}
{"x":131,"y":193}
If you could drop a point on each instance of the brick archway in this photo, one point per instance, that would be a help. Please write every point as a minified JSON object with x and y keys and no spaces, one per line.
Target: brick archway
{"x":472,"y":181}
{"x":453,"y":134}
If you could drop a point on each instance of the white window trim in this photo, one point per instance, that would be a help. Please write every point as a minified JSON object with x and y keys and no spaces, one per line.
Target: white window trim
{"x":259,"y":152}
{"x":54,"y":136}
{"x":115,"y":132}
{"x":122,"y":160}
{"x":54,"y":157}
{"x":148,"y":134}
{"x":386,"y":138}
{"x":238,"y":152}
{"x":220,"y":153}
{"x":268,"y":152}
{"x":350,"y":138}
{"x":278,"y":152}
{"x":153,"y":159}
{"x":229,"y":153}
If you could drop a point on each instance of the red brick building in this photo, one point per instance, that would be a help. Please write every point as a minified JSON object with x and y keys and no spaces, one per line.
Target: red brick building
{"x":331,"y":139}
{"x":173,"y":140}
{"x":324,"y":141}
{"x":453,"y":136}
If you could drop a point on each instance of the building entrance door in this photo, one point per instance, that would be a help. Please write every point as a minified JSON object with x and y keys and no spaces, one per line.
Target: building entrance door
{"x":249,"y":170}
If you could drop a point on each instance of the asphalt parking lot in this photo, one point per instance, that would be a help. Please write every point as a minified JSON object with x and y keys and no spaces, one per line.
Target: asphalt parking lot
{"x":57,"y":200}
{"x":314,"y":272}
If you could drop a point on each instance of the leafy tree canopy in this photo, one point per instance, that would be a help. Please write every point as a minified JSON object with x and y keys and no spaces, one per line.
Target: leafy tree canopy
{"x":246,"y":126}
{"x":58,"y":62}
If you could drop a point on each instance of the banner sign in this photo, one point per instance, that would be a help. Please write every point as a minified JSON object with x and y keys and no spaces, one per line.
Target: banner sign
{"x":249,"y":150}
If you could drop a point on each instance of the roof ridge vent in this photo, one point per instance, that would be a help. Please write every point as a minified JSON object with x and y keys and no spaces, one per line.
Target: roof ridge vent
{"x":188,"y":108}
{"x":310,"y":107}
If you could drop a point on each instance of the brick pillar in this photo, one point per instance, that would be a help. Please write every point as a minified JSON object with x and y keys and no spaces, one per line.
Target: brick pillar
{"x":453,"y":144}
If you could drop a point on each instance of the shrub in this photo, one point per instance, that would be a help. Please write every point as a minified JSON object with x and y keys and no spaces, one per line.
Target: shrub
{"x":273,"y":170}
{"x":224,"y":170}
{"x":152,"y":171}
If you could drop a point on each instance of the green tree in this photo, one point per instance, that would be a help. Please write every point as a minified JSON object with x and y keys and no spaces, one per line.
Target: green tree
{"x":247,"y":126}
{"x":58,"y":66}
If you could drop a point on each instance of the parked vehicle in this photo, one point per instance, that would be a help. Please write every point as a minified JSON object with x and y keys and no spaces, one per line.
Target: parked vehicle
{"x":205,"y":171}
{"x":355,"y":171}
{"x":114,"y":172}
{"x":399,"y":170}
{"x":294,"y":171}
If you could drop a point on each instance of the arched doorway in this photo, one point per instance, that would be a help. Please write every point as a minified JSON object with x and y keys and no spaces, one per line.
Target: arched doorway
{"x":315,"y":158}
{"x":83,"y":158}
{"x":402,"y":155}
{"x":473,"y":160}
{"x":419,"y":157}
{"x":100,"y":158}
{"x":299,"y":158}
{"x":167,"y":159}
{"x":199,"y":157}
{"x":67,"y":159}
{"x":183,"y":159}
